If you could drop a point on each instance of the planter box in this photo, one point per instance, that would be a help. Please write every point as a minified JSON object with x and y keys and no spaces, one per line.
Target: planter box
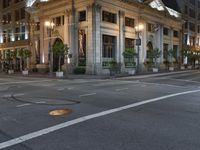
{"x":25,"y":72}
{"x":10,"y":71}
{"x":171,"y":68}
{"x":155,"y":69}
{"x":131,"y":72}
{"x":182,"y":67}
{"x":189,"y":67}
{"x":59,"y":74}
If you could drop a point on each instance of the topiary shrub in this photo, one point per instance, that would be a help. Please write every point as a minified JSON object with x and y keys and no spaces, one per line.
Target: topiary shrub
{"x":79,"y":70}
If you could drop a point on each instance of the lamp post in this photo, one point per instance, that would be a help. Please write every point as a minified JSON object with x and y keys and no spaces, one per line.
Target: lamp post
{"x":138,"y":30}
{"x":50,"y":26}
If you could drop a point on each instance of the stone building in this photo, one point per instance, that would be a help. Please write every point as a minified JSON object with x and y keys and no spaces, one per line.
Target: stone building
{"x":14,"y":27}
{"x":98,"y":31}
{"x":190,"y":10}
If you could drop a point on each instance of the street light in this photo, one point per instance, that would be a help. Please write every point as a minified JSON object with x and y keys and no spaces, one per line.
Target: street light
{"x":138,"y":30}
{"x":50,"y":26}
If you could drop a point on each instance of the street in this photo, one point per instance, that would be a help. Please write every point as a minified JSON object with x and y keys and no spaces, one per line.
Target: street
{"x":130,"y":113}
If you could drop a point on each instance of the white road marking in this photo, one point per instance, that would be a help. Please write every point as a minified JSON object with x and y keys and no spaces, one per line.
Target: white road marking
{"x":7,"y":96}
{"x":48,"y":130}
{"x":22,"y":105}
{"x":42,"y":102}
{"x":70,"y":88}
{"x":90,"y":94}
{"x":61,"y":89}
{"x":122,"y":89}
{"x":19,"y":82}
{"x":185,"y":80}
{"x":163,"y":84}
{"x":15,"y":95}
{"x":20,"y":94}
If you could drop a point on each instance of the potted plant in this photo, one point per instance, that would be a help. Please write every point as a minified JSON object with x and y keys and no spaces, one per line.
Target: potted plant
{"x":129,"y":60}
{"x":10,"y":57}
{"x":114,"y":67}
{"x":154,"y":55}
{"x":26,"y":55}
{"x":172,"y":55}
{"x":60,"y":50}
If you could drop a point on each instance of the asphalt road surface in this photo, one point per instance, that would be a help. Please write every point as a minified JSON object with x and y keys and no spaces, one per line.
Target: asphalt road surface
{"x":133,"y":113}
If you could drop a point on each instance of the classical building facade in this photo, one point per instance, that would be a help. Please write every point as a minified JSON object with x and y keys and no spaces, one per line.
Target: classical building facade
{"x":98,"y":31}
{"x":14,"y":27}
{"x":190,"y":10}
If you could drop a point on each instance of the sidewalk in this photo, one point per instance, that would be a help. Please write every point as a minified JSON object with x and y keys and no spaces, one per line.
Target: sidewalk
{"x":73,"y":76}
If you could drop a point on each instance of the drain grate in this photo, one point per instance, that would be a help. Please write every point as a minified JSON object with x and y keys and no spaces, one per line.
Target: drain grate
{"x":60,"y":112}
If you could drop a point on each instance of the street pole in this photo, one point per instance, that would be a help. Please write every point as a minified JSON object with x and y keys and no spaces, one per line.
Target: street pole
{"x":50,"y":53}
{"x":138,"y":43}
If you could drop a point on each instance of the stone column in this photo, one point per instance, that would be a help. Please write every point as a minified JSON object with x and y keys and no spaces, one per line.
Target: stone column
{"x":171,"y":38}
{"x":121,"y":37}
{"x":93,"y":64}
{"x":72,"y":37}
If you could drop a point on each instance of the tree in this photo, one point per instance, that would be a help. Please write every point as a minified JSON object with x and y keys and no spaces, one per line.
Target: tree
{"x":60,"y":50}
{"x":129,"y":56}
{"x":154,"y":55}
{"x":172,"y":53}
{"x":24,"y":55}
{"x":27,"y":54}
{"x":11,"y":56}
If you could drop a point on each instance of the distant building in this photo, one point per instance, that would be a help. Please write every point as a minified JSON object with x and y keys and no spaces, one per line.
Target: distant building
{"x":14,"y":27}
{"x":190,"y":10}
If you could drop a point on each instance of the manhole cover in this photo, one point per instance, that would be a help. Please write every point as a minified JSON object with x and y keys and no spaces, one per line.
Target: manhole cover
{"x":60,"y":112}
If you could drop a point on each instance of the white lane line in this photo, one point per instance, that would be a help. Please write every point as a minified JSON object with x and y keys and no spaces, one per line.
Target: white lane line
{"x":15,"y":95}
{"x":42,"y":102}
{"x":185,"y":80}
{"x":19,"y":82}
{"x":39,"y":133}
{"x":61,"y":89}
{"x":122,"y":89}
{"x":90,"y":94}
{"x":22,"y":105}
{"x":20,"y":94}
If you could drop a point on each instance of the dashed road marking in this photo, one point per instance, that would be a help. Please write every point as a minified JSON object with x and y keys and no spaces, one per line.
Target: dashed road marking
{"x":45,"y":131}
{"x":61,"y":89}
{"x":89,"y":94}
{"x":42,"y":102}
{"x":122,"y":89}
{"x":22,"y":105}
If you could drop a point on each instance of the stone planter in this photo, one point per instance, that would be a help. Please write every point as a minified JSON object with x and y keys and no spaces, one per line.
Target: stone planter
{"x":59,"y":74}
{"x":131,"y":71}
{"x":189,"y":67}
{"x":25,"y":72}
{"x":171,"y":68}
{"x":182,"y":67}
{"x":10,"y":71}
{"x":155,"y":69}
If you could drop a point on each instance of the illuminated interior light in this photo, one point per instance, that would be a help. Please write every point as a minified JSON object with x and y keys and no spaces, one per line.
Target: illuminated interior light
{"x":43,"y":57}
{"x":157,"y":5}
{"x":173,"y":12}
{"x":29,"y":3}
